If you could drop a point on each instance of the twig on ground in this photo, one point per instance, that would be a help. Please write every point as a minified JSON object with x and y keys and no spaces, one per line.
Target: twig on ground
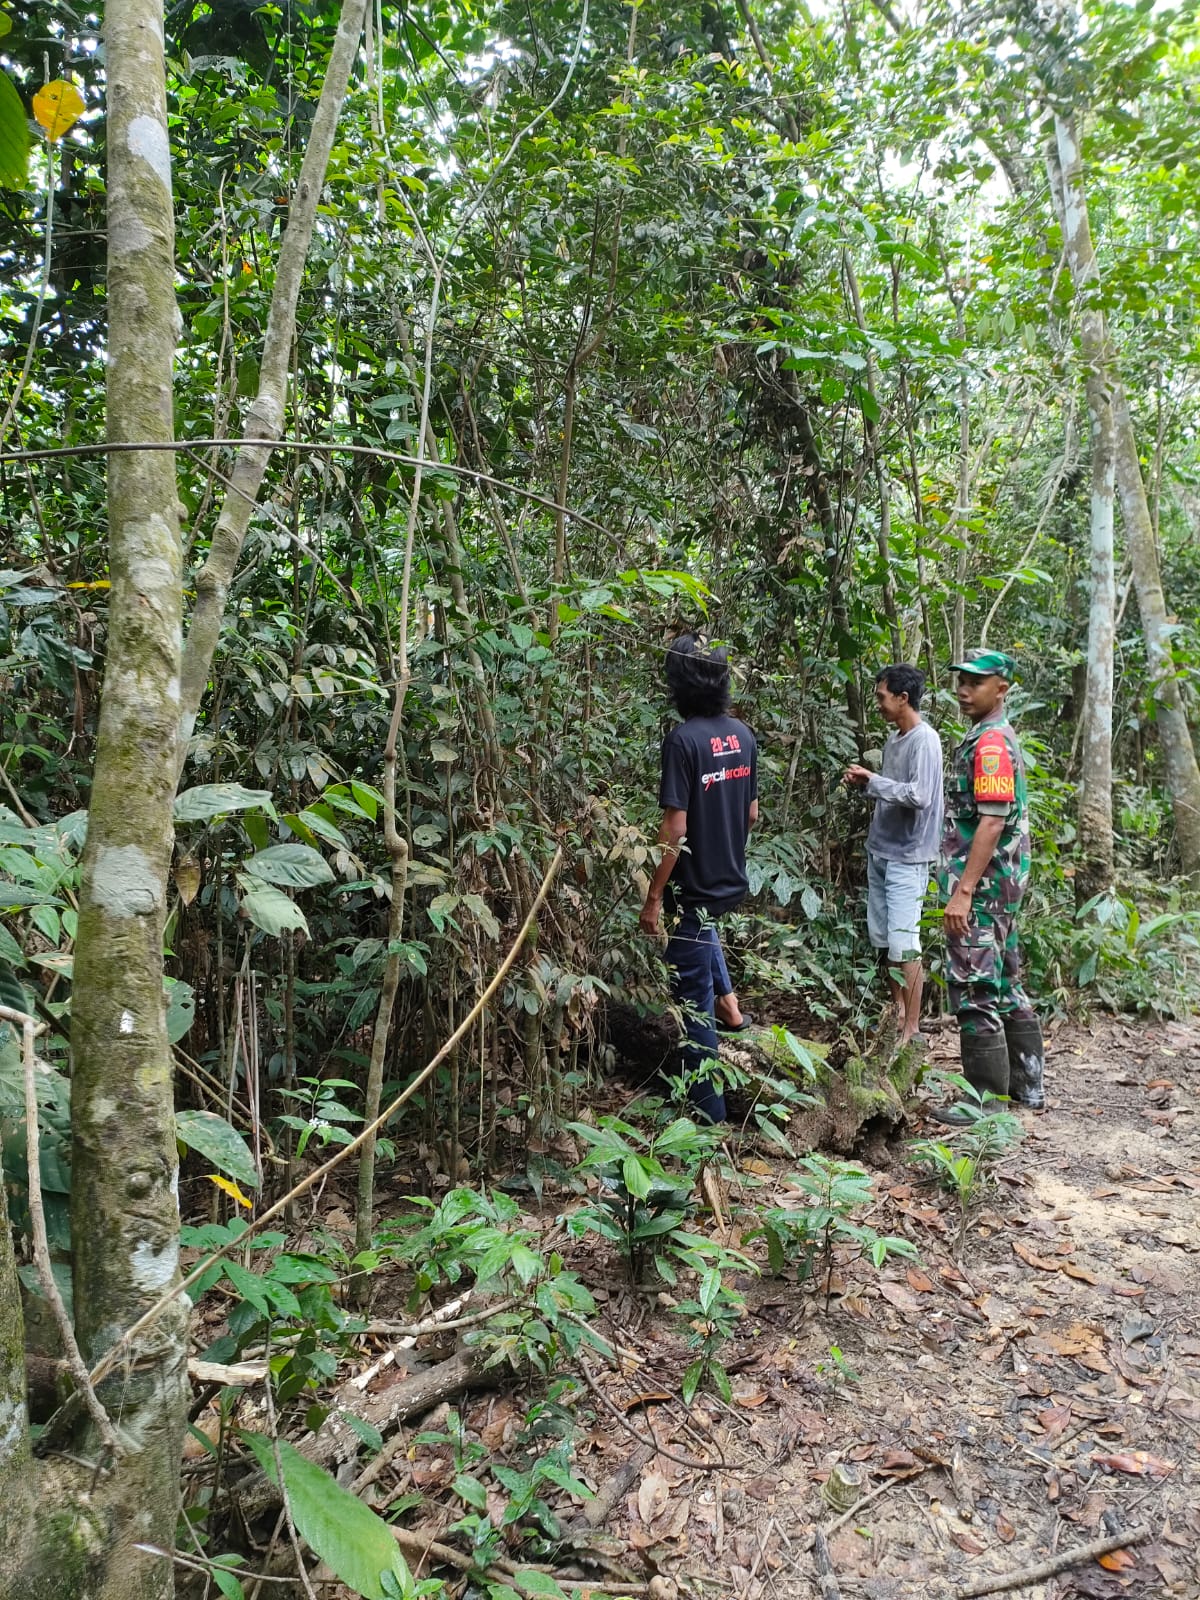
{"x":598,"y":1510}
{"x":117,"y":1349}
{"x":882,"y":1488}
{"x":405,"y":1334}
{"x":30,"y":1028}
{"x":826,"y":1576}
{"x":1025,"y":1576}
{"x":651,"y":1443}
{"x":420,"y":1547}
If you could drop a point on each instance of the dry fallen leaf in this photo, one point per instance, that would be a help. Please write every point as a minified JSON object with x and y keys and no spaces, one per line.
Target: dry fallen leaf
{"x":900,"y":1296}
{"x":1005,"y":1531}
{"x":969,"y":1543}
{"x":653,"y":1493}
{"x":1137,"y":1462}
{"x":1118,"y":1560}
{"x":1054,"y":1420}
{"x":920,"y":1281}
{"x":1042,"y":1263}
{"x":1081,"y":1274}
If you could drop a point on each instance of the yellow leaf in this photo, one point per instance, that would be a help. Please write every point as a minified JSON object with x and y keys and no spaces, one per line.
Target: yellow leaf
{"x":230,"y":1188}
{"x":57,"y":107}
{"x":187,"y":879}
{"x":99,"y":583}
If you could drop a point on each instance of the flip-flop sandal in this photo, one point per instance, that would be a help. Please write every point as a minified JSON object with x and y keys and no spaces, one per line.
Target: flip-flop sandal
{"x":743,"y":1026}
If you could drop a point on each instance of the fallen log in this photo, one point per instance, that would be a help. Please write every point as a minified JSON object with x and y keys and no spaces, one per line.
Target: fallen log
{"x":337,"y":1442}
{"x":857,"y":1095}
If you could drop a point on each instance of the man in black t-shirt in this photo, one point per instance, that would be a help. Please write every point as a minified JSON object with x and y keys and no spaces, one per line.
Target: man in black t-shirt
{"x":709,"y":796}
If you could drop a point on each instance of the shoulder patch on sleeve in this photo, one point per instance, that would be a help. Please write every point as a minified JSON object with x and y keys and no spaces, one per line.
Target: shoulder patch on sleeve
{"x":994,"y":776}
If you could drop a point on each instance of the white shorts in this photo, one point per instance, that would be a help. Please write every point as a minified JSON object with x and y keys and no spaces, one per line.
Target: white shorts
{"x":895,"y":894}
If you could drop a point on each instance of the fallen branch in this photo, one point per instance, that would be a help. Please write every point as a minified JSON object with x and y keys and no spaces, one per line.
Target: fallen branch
{"x":600,"y":1507}
{"x":882,"y":1488}
{"x":419,"y":1547}
{"x":113,"y":1355}
{"x":651,"y":1443}
{"x":405,"y":1334}
{"x":338,"y":1442}
{"x":243,"y":1375}
{"x":826,"y":1575}
{"x":1049,"y":1569}
{"x":76,"y":1365}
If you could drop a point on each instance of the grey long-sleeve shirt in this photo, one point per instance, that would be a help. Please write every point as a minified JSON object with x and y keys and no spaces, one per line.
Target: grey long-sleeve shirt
{"x":907,"y":825}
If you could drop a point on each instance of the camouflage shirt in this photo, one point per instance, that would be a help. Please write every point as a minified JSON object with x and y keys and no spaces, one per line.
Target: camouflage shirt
{"x":986,"y":777}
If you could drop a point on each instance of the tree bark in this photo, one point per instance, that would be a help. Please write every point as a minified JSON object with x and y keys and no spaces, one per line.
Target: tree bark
{"x":124,"y":1202}
{"x":1065,"y":165}
{"x":1095,"y":870}
{"x":264,"y":421}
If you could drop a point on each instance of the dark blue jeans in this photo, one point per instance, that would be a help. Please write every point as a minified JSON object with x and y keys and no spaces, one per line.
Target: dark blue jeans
{"x":698,"y":975}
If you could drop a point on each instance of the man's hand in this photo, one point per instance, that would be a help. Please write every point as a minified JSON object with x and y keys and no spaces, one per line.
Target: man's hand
{"x":857,"y":777}
{"x":651,"y":912}
{"x":958,"y":912}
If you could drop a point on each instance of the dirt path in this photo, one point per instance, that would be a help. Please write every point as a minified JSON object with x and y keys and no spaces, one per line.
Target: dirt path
{"x":1038,"y":1392}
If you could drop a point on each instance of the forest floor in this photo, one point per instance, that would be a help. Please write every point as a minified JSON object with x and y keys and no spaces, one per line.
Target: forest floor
{"x":1011,"y":1400}
{"x":1019,"y":1394}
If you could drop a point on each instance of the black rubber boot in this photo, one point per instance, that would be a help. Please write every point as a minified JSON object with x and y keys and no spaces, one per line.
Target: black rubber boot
{"x":1026,"y":1062}
{"x":984,"y":1066}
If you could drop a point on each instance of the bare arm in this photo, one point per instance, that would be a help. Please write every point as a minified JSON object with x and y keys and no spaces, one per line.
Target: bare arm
{"x":671,"y":834}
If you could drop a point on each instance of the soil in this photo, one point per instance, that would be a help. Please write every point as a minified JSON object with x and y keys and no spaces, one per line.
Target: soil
{"x":1031,"y":1386}
{"x":1010,"y":1399}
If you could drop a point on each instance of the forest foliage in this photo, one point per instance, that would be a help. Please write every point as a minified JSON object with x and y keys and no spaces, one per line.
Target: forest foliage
{"x":753,"y":319}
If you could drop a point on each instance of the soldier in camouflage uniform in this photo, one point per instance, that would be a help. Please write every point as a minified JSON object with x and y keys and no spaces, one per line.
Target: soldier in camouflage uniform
{"x":984,"y":874}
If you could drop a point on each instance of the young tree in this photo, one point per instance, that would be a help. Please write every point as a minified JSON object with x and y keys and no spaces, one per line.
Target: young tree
{"x":1107,"y":399}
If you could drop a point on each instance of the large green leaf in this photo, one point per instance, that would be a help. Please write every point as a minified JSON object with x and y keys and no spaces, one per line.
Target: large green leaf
{"x":269,"y":908}
{"x":209,"y":800}
{"x":181,"y":1008}
{"x":14,"y":137}
{"x":12,"y":895}
{"x":219,"y":1142}
{"x":335,"y":1525}
{"x":295,"y":866}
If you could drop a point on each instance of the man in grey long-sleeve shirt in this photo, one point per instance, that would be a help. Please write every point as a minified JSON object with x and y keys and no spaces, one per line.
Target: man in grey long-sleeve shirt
{"x":904,"y":836}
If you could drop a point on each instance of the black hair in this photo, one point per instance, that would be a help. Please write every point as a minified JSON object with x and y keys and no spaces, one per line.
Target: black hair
{"x":698,"y":677}
{"x":903,"y":679}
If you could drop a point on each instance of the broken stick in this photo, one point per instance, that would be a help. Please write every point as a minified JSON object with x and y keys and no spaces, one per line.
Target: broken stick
{"x":826,"y":1576}
{"x":1049,"y":1569}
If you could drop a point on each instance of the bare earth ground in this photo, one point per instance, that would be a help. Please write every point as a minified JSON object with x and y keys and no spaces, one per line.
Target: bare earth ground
{"x":1037,"y":1392}
{"x":1006,"y":1402}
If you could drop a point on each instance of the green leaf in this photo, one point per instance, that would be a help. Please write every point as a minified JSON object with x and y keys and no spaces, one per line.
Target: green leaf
{"x":295,"y":866}
{"x":534,"y":1582}
{"x":210,"y":800}
{"x":637,"y":1179}
{"x":710,"y":1288}
{"x":219,"y":1142}
{"x":471,"y":1491}
{"x":181,"y":1008}
{"x":249,"y":1285}
{"x":336,"y":1526}
{"x":270,"y":909}
{"x":14,"y":137}
{"x":691,"y":1381}
{"x":14,"y":897}
{"x":228,"y":1585}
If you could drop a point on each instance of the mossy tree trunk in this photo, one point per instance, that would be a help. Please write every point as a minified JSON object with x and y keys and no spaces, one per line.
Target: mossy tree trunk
{"x":87,"y":1525}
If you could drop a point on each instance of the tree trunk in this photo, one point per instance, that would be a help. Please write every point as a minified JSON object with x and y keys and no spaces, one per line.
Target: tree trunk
{"x":1095,"y":870}
{"x":85,"y":1526}
{"x":264,"y":421}
{"x":1065,"y":165}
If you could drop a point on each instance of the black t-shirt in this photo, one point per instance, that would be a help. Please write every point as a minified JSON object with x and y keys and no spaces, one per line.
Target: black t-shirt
{"x":710,"y":770}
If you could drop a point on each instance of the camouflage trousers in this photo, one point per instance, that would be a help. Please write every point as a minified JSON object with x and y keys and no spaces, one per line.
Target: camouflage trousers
{"x":983,"y":972}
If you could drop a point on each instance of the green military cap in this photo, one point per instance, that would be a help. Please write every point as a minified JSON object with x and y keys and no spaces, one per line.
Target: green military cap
{"x":986,"y":663}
